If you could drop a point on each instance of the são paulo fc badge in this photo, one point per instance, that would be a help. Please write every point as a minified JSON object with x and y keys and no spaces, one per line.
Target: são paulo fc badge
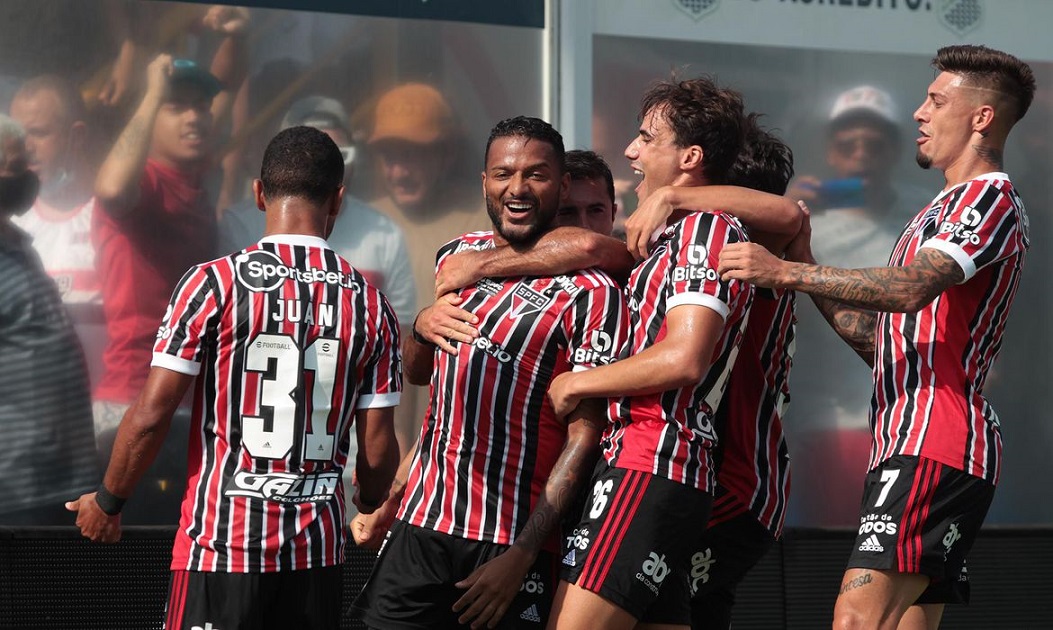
{"x":697,"y":9}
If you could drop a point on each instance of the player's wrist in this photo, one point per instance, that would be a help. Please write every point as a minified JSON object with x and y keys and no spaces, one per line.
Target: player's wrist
{"x":415,"y":334}
{"x":108,"y":502}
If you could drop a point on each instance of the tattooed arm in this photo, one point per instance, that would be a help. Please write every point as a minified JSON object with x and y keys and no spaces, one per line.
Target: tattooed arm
{"x":117,"y":183}
{"x":491,"y":587}
{"x":905,"y":289}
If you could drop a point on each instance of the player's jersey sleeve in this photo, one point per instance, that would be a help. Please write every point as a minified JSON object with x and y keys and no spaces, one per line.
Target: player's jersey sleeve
{"x":596,"y":325}
{"x":380,"y":384}
{"x":190,"y":315}
{"x":693,"y":264}
{"x":983,"y":223}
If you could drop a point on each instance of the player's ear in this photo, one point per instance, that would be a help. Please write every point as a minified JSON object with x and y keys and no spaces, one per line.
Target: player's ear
{"x":691,"y":158}
{"x":983,"y":119}
{"x":257,"y":193}
{"x":564,"y":187}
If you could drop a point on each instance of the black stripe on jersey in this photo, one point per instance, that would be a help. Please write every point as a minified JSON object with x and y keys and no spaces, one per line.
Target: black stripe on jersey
{"x":192,"y":310}
{"x":1002,"y":235}
{"x":910,"y":379}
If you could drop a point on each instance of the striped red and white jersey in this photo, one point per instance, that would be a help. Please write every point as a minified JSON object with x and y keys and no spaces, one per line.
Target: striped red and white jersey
{"x":751,"y":457}
{"x":490,"y":437}
{"x":287,"y":341}
{"x":930,"y":367}
{"x":671,"y":434}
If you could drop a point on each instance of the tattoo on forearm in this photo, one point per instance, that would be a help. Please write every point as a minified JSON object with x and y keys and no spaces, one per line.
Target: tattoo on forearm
{"x":854,"y":325}
{"x":989,"y":154}
{"x":563,"y":484}
{"x":856,"y":583}
{"x":889,"y":289}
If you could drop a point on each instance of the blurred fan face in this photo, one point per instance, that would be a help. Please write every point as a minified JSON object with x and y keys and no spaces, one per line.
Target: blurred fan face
{"x":183,"y":127}
{"x":863,"y":149}
{"x":411,"y":171}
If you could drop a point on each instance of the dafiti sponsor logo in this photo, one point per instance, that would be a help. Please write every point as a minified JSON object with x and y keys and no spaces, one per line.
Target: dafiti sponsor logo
{"x":261,"y":270}
{"x":284,"y":487}
{"x":653,"y":571}
{"x":701,"y":562}
{"x":952,"y":536}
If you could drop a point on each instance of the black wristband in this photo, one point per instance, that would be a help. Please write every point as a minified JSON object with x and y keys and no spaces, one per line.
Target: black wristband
{"x":417,"y":336}
{"x":108,"y":503}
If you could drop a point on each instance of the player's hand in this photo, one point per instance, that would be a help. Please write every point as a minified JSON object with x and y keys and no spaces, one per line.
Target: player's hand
{"x":800,"y":248}
{"x":649,"y":218}
{"x":369,"y":530}
{"x":492,"y":587}
{"x":93,"y":522}
{"x":561,"y":394}
{"x":226,"y":20}
{"x":805,"y":188}
{"x":445,"y":322}
{"x":457,"y":272}
{"x":157,"y":75}
{"x":752,"y":263}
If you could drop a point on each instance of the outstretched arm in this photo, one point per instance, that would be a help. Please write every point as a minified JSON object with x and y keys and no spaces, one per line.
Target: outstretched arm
{"x":772,"y":220}
{"x":558,"y":251}
{"x":491,"y":587}
{"x":905,"y":289}
{"x":117,"y":182}
{"x":139,"y":438}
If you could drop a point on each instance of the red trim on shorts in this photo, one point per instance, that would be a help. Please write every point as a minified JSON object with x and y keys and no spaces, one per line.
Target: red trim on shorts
{"x":177,"y":600}
{"x":624,"y":506}
{"x":915,"y":513}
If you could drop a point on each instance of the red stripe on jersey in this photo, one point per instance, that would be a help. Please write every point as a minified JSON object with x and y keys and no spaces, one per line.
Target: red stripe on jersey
{"x":932,"y":365}
{"x":754,"y":463}
{"x":490,"y":438}
{"x":670,"y":434}
{"x":290,"y":338}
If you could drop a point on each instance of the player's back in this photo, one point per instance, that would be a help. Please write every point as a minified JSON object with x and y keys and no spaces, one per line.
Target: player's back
{"x":291,"y":340}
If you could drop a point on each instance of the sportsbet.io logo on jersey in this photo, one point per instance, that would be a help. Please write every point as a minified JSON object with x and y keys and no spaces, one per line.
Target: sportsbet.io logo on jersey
{"x":260,"y":271}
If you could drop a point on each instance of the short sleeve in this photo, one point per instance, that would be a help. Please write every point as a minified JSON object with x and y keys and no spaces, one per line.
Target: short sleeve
{"x":380,"y":384}
{"x":982,"y":223}
{"x":596,"y":325}
{"x":179,"y":344}
{"x":696,"y":246}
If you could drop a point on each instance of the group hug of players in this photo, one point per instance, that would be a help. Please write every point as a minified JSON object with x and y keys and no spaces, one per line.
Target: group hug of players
{"x":603,"y":445}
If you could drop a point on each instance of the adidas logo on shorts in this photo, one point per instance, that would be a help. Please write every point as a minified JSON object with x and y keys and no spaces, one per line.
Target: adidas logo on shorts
{"x":569,"y":559}
{"x":531,"y":614}
{"x":871,"y":544}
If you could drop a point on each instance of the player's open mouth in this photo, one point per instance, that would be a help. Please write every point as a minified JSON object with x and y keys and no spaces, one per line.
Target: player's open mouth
{"x":519,"y":209}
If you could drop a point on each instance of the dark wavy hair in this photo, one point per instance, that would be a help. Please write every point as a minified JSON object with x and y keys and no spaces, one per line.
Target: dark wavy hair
{"x":700,"y":113}
{"x":765,"y":162}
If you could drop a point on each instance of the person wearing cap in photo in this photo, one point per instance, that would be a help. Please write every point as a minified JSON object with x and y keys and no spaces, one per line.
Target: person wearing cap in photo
{"x":427,"y":192}
{"x":366,"y":238}
{"x":858,"y":214}
{"x":152,"y":220}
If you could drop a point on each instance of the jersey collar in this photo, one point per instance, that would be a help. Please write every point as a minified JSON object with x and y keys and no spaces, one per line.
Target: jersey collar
{"x":296,"y":239}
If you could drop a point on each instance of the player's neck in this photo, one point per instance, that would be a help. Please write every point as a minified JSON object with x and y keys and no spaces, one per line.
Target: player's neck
{"x":290,"y":215}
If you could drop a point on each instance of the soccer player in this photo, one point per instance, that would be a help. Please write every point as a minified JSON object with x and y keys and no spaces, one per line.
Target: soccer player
{"x":931,"y":325}
{"x":496,"y":469}
{"x":651,"y":494}
{"x":290,"y":346}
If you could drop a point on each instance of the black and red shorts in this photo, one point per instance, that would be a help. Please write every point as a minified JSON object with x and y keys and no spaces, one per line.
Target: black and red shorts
{"x":921,"y":516}
{"x":634,"y":540}
{"x":309,"y":599}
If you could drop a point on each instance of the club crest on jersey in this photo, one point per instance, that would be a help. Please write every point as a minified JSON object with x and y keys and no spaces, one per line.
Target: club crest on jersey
{"x":261,"y":270}
{"x":527,"y":301}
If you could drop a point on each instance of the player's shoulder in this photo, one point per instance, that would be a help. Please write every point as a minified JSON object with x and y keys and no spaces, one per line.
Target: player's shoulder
{"x":589,"y":279}
{"x":709,"y":221}
{"x":470,"y":241}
